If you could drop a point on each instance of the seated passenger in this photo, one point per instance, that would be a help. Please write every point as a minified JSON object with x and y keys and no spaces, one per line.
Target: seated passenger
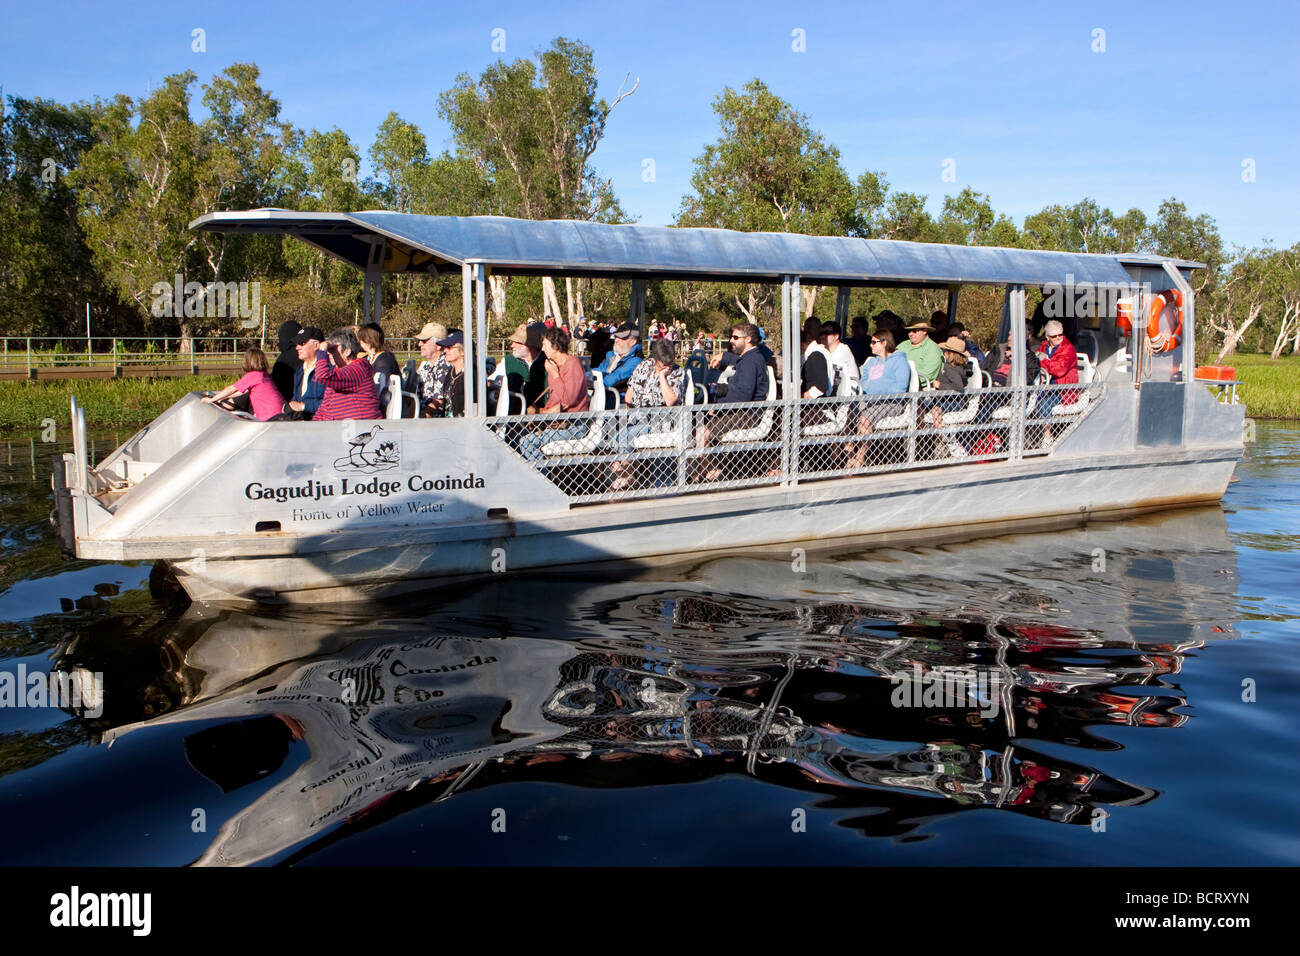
{"x":453,"y":348}
{"x":307,"y":391}
{"x":288,"y":360}
{"x":348,"y":378}
{"x":885,"y":373}
{"x":371,"y":337}
{"x":973,"y":350}
{"x":566,"y":391}
{"x":257,"y":384}
{"x":748,"y":384}
{"x":860,"y":342}
{"x":952,"y":378}
{"x":922,"y":352}
{"x":623,"y":358}
{"x":434,"y":374}
{"x":846,"y":366}
{"x":657,"y":383}
{"x":817,"y":373}
{"x":1061,"y":362}
{"x":525,"y":366}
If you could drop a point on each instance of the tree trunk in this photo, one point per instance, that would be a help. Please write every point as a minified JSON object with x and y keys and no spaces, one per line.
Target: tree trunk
{"x":497,"y":296}
{"x":550,"y":302}
{"x":186,"y":344}
{"x":810,"y":299}
{"x":1234,"y":336}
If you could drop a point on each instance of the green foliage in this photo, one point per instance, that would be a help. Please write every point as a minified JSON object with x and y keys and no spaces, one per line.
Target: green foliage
{"x":525,"y":133}
{"x":125,"y":401}
{"x":769,"y":171}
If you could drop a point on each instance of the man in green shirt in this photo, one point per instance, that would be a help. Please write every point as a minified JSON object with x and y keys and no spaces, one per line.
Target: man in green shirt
{"x":922,"y":351}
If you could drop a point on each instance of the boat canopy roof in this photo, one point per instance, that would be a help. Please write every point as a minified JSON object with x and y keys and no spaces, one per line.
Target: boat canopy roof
{"x":405,"y":243}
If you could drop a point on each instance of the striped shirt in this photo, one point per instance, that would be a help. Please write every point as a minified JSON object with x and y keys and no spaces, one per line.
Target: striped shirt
{"x":349,"y":391}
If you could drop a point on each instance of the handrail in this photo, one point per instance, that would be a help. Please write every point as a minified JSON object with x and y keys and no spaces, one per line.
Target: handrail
{"x":795,"y":445}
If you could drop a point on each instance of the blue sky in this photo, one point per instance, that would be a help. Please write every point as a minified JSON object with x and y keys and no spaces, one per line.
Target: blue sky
{"x":1012,"y":93}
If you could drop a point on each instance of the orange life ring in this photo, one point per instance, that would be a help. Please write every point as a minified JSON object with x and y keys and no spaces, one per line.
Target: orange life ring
{"x":1160,"y":341}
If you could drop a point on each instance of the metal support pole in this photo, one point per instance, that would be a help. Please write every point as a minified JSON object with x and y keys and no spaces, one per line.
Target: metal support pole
{"x":636,"y":308}
{"x":953,"y":292}
{"x":29,"y":358}
{"x":467,"y":326}
{"x":479,"y":368}
{"x":842,"y":309}
{"x":1019,"y":387}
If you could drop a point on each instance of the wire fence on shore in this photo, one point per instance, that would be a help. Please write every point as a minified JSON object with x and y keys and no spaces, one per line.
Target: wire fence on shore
{"x":33,"y":355}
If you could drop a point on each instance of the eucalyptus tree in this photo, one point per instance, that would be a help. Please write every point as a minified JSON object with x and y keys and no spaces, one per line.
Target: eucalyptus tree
{"x":769,"y":171}
{"x":529,"y":129}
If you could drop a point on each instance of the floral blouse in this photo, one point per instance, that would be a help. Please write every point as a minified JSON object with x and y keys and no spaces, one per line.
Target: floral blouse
{"x":434,"y":380}
{"x":643,"y":388}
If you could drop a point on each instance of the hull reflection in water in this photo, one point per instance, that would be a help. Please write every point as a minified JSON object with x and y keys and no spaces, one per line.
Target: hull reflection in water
{"x":904,"y":683}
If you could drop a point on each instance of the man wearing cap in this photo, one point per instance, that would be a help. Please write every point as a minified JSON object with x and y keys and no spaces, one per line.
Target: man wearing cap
{"x":922,"y":352}
{"x":348,"y":377}
{"x":623,"y":358}
{"x":434,"y":374}
{"x":307,"y":392}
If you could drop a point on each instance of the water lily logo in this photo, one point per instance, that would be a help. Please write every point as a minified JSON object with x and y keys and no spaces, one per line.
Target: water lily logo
{"x":372,"y":451}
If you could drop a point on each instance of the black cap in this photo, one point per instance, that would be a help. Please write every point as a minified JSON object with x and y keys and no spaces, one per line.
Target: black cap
{"x":626,"y":329}
{"x":453,"y":338}
{"x":307,"y":334}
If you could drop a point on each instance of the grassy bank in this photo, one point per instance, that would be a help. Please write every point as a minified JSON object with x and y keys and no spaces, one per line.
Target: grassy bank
{"x":1269,"y":389}
{"x":126,"y":401}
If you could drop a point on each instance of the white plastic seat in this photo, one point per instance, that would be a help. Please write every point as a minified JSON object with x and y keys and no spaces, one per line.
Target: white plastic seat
{"x":837,"y":415}
{"x":963,"y":416}
{"x":760,"y":431}
{"x":668,"y":439}
{"x":394,"y":409}
{"x":895,"y":422}
{"x":1087,"y":372}
{"x":586,"y":444}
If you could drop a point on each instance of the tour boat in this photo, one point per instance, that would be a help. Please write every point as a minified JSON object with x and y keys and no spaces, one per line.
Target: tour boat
{"x":247,"y":511}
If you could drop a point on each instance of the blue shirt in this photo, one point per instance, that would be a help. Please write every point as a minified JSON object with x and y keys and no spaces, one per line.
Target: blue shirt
{"x":887,"y":376}
{"x":617,"y":371}
{"x":749,"y":382}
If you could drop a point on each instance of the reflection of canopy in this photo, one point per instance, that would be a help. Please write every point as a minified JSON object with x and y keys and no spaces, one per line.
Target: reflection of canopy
{"x":398,"y":242}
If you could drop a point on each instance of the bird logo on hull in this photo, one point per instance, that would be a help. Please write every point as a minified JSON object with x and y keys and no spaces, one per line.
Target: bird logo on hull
{"x":372,"y":451}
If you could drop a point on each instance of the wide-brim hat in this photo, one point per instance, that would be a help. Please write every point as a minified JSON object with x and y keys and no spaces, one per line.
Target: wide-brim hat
{"x":520,"y":336}
{"x":955,"y":344}
{"x":918,"y":325}
{"x":628,"y":330}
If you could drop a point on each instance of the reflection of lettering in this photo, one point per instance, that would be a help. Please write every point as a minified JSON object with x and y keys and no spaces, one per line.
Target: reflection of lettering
{"x":417,"y":695}
{"x":398,"y":669}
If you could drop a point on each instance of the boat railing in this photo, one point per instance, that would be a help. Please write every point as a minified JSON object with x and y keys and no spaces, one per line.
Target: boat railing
{"x":629,"y":453}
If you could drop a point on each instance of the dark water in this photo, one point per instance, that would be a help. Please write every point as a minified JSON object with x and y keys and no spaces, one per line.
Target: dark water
{"x":1121,"y":693}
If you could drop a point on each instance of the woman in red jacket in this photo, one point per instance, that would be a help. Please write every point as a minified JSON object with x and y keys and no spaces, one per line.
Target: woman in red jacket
{"x":1058,"y":359}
